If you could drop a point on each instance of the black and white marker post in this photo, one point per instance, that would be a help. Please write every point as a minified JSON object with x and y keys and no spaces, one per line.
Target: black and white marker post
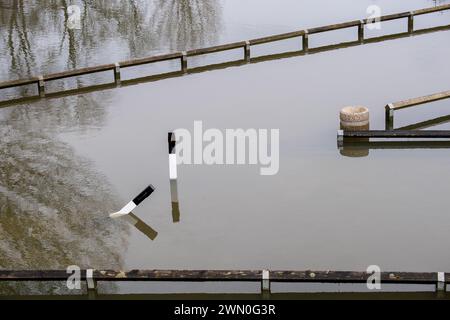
{"x":173,"y":178}
{"x":130,"y":206}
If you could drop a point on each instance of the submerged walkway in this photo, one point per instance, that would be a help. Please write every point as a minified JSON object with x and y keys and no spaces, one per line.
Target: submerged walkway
{"x":41,"y":81}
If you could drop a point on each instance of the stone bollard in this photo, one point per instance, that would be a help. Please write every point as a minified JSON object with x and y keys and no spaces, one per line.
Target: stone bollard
{"x":354,"y":118}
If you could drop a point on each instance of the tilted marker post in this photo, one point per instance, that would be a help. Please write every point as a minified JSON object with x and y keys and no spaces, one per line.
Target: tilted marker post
{"x":130,"y":206}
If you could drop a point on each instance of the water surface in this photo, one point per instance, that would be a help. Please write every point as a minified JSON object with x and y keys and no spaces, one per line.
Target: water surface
{"x":68,"y":162}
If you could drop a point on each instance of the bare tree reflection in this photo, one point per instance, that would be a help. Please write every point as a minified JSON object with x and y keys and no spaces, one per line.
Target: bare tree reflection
{"x":37,"y":39}
{"x":186,"y":24}
{"x":53,"y":204}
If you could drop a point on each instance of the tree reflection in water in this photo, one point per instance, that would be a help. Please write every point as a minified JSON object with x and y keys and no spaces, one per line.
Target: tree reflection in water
{"x":53,"y":203}
{"x":35,"y":36}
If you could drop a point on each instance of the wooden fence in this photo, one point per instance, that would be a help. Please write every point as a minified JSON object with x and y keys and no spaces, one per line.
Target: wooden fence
{"x":41,"y":81}
{"x":265,"y":277}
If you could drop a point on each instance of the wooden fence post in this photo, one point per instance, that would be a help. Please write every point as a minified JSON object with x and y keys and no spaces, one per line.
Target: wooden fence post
{"x":305,"y":41}
{"x":184,"y":62}
{"x":247,"y":51}
{"x":411,"y":22}
{"x":361,"y":31}
{"x":117,"y":73}
{"x":41,"y":86}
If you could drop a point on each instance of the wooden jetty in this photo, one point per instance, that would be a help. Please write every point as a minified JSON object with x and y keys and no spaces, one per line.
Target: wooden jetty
{"x":265,"y":277}
{"x":41,"y":80}
{"x":391,"y":107}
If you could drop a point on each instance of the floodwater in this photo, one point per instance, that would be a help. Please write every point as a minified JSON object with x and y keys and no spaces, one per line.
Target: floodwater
{"x":68,"y":162}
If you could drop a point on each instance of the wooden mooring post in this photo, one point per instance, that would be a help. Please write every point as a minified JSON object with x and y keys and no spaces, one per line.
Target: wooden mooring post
{"x":246,"y":45}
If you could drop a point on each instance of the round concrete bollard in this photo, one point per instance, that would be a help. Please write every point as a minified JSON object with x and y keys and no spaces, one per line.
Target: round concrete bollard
{"x":354,"y":118}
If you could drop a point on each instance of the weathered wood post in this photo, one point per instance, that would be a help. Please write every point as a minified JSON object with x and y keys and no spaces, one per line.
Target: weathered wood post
{"x":411,"y":22}
{"x":41,"y":86}
{"x":265,"y":284}
{"x":440,"y":284}
{"x":389,"y":117}
{"x":91,"y":284}
{"x":306,"y":41}
{"x":247,"y":51}
{"x":184,"y":62}
{"x":361,"y":31}
{"x":117,"y":73}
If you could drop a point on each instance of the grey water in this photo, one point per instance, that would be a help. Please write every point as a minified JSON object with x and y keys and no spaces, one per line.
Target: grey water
{"x":66,"y":163}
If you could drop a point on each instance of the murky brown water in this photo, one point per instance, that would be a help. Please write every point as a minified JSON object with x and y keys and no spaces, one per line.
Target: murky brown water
{"x":66,"y":163}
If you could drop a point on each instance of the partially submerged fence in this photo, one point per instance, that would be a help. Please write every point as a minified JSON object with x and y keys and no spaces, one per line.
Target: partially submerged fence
{"x":265,"y":277}
{"x":41,"y":81}
{"x":391,"y":107}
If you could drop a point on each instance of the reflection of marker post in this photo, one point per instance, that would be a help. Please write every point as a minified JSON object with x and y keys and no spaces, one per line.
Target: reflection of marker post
{"x":130,"y":206}
{"x":141,"y":225}
{"x":173,"y":178}
{"x":91,"y":284}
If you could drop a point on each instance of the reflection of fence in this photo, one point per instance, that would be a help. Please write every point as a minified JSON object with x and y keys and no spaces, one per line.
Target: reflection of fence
{"x":40,"y":81}
{"x":390,"y":108}
{"x":265,"y":277}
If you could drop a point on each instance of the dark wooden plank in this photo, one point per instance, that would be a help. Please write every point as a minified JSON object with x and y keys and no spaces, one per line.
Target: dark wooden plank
{"x":158,"y":58}
{"x":397,"y":134}
{"x":432,"y":9}
{"x":395,"y":145}
{"x":224,"y":47}
{"x":224,"y":275}
{"x":78,"y":72}
{"x":278,"y":37}
{"x":421,"y":100}
{"x":17,"y":83}
{"x":338,"y":26}
{"x":427,"y":123}
{"x":180,"y":275}
{"x":394,"y":16}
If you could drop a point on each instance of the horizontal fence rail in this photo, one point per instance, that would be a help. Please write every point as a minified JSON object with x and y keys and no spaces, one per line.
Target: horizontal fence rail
{"x":393,"y":145}
{"x":40,"y":81}
{"x":391,"y":107}
{"x":264,"y":277}
{"x":427,"y":134}
{"x":226,"y":275}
